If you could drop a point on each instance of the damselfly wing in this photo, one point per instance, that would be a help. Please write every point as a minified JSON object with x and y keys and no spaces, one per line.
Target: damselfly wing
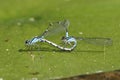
{"x":97,"y":41}
{"x":55,"y":28}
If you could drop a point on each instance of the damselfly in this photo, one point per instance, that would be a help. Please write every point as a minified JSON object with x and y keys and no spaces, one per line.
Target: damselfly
{"x":60,"y":26}
{"x":67,"y":40}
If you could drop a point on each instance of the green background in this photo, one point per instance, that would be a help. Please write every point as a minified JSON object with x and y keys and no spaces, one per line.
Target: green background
{"x":24,"y":19}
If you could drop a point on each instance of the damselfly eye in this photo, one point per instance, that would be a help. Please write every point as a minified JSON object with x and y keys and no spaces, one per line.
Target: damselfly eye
{"x":27,"y":41}
{"x":63,"y":38}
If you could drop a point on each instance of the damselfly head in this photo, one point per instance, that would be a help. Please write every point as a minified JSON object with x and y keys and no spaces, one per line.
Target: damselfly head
{"x":27,"y":42}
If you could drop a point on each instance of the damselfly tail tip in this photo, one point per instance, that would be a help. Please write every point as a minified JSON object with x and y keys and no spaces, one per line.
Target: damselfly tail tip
{"x":109,"y":42}
{"x":50,"y":24}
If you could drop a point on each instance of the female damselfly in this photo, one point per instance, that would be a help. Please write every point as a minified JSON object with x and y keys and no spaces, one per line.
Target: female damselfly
{"x":61,"y":25}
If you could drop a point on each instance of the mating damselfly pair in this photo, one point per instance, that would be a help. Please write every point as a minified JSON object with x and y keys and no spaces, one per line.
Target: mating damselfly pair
{"x":70,"y":42}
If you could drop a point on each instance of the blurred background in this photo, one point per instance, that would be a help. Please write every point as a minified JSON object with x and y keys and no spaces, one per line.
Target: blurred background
{"x":23,"y":19}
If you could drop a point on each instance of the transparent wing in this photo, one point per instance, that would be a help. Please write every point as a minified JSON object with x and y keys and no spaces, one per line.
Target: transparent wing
{"x":55,"y":28}
{"x":97,"y":41}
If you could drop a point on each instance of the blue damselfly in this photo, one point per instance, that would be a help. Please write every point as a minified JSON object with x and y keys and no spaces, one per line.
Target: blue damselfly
{"x":55,"y":26}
